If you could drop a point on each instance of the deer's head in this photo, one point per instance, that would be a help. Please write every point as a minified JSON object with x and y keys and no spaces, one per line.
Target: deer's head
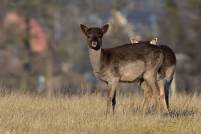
{"x":94,"y":35}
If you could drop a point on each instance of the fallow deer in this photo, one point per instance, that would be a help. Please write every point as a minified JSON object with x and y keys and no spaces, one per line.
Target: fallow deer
{"x":166,"y":72}
{"x":126,"y":63}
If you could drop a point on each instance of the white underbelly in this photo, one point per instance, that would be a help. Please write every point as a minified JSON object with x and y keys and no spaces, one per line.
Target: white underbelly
{"x":132,"y":71}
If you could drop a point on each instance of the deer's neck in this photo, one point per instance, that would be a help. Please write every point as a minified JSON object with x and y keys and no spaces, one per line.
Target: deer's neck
{"x":95,"y":59}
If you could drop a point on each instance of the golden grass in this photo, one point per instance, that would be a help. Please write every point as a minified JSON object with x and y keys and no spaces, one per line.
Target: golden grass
{"x":24,"y":114}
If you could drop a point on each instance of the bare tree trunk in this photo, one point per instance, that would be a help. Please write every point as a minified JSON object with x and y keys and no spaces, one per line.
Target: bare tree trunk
{"x":23,"y":81}
{"x":49,"y":75}
{"x":27,"y":65}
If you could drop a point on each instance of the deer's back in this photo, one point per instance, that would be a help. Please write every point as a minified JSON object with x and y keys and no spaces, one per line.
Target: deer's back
{"x":131,"y":53}
{"x":129,"y":61}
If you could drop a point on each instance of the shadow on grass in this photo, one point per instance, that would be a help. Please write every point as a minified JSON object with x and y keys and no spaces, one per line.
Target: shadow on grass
{"x":180,"y":113}
{"x":173,"y":113}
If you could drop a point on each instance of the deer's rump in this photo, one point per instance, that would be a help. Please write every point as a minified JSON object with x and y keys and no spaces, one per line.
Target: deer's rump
{"x":169,"y":60}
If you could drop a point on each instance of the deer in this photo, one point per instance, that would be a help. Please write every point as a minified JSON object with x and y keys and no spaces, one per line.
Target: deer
{"x":125,"y":63}
{"x":166,"y":72}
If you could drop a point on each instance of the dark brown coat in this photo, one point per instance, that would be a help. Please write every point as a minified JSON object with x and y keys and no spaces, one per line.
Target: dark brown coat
{"x":126,"y":63}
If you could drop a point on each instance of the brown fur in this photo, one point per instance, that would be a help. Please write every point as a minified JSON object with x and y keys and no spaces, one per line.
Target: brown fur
{"x":166,"y":71}
{"x":126,"y":63}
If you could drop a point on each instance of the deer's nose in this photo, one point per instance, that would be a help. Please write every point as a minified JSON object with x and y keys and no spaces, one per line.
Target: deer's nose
{"x":94,"y":38}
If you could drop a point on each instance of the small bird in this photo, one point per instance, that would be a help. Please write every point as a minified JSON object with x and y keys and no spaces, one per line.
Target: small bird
{"x":154,"y":41}
{"x":134,"y":41}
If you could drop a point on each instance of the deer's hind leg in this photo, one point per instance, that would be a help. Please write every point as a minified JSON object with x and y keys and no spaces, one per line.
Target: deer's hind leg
{"x":147,"y":96}
{"x":150,"y":78}
{"x":163,"y":94}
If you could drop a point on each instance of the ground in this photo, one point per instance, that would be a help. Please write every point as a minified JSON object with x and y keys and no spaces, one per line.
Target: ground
{"x":26,"y":114}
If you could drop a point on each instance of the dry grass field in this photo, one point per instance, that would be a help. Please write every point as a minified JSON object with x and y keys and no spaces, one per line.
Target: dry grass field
{"x":25,"y":114}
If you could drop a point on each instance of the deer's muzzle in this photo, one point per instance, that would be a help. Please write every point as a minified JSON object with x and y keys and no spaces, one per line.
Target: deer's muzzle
{"x":94,"y":43}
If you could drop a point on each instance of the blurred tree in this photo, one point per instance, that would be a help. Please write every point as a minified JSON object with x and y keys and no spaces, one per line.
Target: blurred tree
{"x":179,"y":26}
{"x":44,"y":12}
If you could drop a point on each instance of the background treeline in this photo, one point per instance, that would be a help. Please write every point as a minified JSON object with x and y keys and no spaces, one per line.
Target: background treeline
{"x":62,"y":66}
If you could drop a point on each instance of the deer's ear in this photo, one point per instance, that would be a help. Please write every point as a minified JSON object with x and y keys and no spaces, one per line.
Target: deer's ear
{"x":105,"y":28}
{"x":84,"y":28}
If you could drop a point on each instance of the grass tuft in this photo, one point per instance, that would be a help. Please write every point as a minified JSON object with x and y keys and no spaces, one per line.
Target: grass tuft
{"x":25,"y":114}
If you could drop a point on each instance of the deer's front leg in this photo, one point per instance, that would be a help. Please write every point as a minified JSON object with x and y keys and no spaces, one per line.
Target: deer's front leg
{"x":111,"y":99}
